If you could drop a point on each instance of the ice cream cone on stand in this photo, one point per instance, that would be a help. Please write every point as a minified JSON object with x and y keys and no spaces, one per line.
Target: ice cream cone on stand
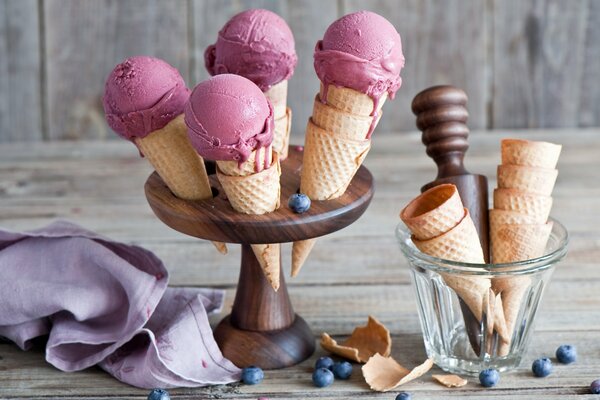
{"x":354,"y":86}
{"x":143,"y":102}
{"x":230,"y":121}
{"x":259,"y":45}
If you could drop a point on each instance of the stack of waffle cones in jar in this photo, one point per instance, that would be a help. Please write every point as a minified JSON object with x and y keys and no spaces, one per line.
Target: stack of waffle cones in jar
{"x":519,"y":226}
{"x":442,"y":227}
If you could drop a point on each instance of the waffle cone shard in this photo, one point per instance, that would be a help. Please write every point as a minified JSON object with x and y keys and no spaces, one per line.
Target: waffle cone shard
{"x":281,"y":137}
{"x":527,"y":179}
{"x":253,"y":194}
{"x":175,"y":160}
{"x":363,"y":343}
{"x":384,"y":373}
{"x":269,"y":258}
{"x":434,"y":212}
{"x":530,"y":153}
{"x":300,"y":251}
{"x":329,"y":163}
{"x":536,"y":206}
{"x":350,"y":100}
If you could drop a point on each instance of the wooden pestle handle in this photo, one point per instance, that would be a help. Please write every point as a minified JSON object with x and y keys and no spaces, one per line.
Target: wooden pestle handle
{"x":441,"y":116}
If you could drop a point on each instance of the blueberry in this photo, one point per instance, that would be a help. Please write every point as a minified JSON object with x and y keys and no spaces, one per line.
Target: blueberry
{"x":322,"y":377}
{"x":542,"y":367}
{"x":324,"y":362}
{"x":252,"y":375}
{"x":159,"y":394}
{"x":342,"y":370}
{"x":299,"y":203}
{"x":489,"y":377}
{"x":595,"y":387}
{"x":566,"y":354}
{"x":403,"y":396}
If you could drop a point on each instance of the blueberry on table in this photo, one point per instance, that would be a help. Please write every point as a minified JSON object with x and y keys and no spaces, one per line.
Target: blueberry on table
{"x":299,"y":203}
{"x":322,"y":377}
{"x":159,"y":394}
{"x":324,"y":362}
{"x":252,"y":375}
{"x":542,"y":367}
{"x":403,"y":396}
{"x":489,"y":377}
{"x":566,"y":354}
{"x":342,"y":370}
{"x":595,"y":387}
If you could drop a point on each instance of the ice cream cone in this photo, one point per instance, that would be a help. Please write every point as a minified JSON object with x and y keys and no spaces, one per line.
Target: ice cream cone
{"x":257,"y":193}
{"x":530,"y":153}
{"x":329,"y":162}
{"x":534,"y":205}
{"x":268,"y":256}
{"x":281,"y":137}
{"x":329,"y":118}
{"x":256,"y":162}
{"x":277,"y":95}
{"x":300,"y":251}
{"x":181,"y":168}
{"x":350,"y":100}
{"x":527,"y":179}
{"x":434,"y":212}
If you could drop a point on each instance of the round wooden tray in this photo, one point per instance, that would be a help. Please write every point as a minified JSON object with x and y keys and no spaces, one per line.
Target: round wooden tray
{"x":262,"y":329}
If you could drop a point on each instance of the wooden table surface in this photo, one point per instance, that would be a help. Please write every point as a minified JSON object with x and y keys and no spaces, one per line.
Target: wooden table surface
{"x":352,"y":273}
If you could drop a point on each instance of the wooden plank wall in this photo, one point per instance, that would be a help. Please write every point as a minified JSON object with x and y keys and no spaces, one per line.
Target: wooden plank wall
{"x":524,"y":63}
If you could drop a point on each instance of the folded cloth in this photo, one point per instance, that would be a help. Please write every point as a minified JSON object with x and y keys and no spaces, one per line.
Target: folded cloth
{"x":107,"y":303}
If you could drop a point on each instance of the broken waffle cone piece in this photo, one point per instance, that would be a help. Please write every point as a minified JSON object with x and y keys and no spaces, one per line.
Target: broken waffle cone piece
{"x":450,"y":381}
{"x":269,"y":258}
{"x":527,"y":179}
{"x":300,"y":251}
{"x":530,"y":153}
{"x":534,"y":205}
{"x":253,"y":194}
{"x":329,"y":162}
{"x":277,"y":95}
{"x":175,"y":160}
{"x":434,"y":212}
{"x":281,"y":136}
{"x":365,"y":341}
{"x":384,"y":373}
{"x":350,"y":100}
{"x":351,"y":126}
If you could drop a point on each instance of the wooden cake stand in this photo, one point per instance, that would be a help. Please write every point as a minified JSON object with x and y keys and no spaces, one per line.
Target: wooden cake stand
{"x":262,"y":329}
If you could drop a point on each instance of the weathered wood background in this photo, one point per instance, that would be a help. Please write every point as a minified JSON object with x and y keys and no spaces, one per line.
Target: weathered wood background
{"x":524,"y":63}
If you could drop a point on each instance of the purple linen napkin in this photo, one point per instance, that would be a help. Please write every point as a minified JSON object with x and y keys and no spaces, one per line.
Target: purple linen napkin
{"x":107,"y":303}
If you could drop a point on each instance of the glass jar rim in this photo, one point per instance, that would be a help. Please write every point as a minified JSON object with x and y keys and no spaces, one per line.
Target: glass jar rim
{"x":525,"y":267}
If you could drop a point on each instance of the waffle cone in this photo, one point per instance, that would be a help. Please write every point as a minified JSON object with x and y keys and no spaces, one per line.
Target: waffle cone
{"x":277,"y":95}
{"x":527,"y":179}
{"x":502,"y":217}
{"x":518,"y":242}
{"x":534,"y":205}
{"x":248,"y":167}
{"x":281,"y":137}
{"x":269,"y":258}
{"x":329,"y":118}
{"x":300,"y":251}
{"x":253,"y":194}
{"x":350,"y":100}
{"x":434,"y":212}
{"x":175,"y":160}
{"x":530,"y":153}
{"x":329,"y":162}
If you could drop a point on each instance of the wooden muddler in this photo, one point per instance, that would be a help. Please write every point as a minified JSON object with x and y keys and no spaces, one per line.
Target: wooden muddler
{"x":441,"y":116}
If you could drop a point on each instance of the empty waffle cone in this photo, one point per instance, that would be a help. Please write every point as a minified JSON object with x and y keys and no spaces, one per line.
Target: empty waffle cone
{"x":329,"y":118}
{"x":434,"y":212}
{"x":527,"y":179}
{"x":329,"y":162}
{"x":300,"y":251}
{"x":277,"y":95}
{"x":530,"y":153}
{"x":269,"y":258}
{"x":534,"y":205}
{"x":175,"y":160}
{"x":350,"y":100}
{"x":502,"y":217}
{"x":281,"y":137}
{"x":253,"y":194}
